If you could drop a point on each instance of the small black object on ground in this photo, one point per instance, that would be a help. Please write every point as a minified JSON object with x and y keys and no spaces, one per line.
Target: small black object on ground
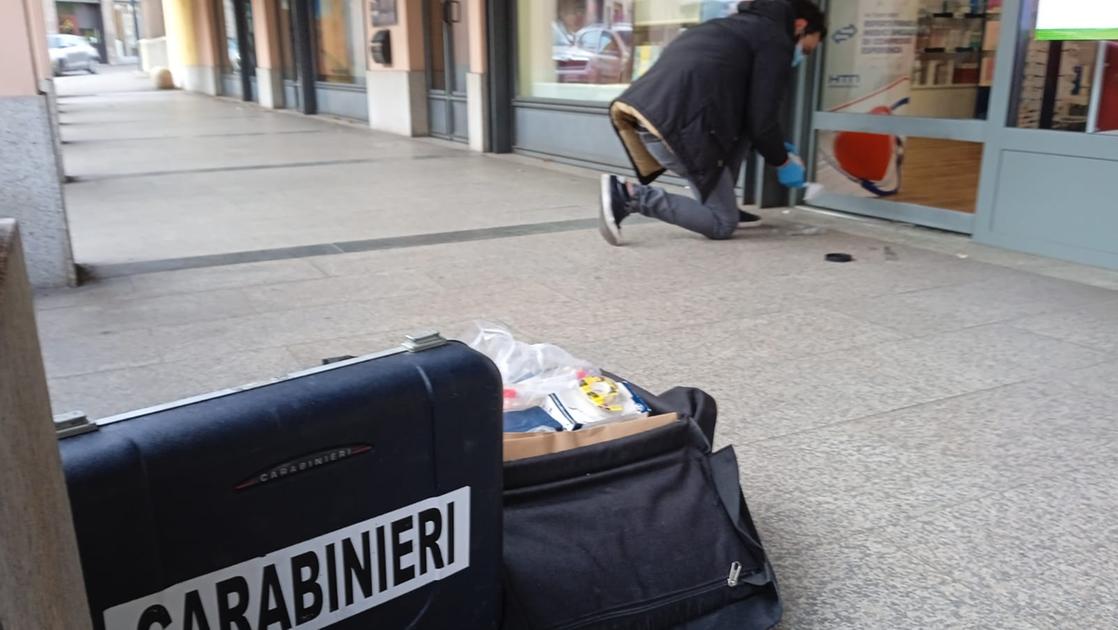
{"x":839,"y":258}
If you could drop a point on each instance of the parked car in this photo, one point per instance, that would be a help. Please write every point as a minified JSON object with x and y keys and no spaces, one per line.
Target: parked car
{"x":596,"y":54}
{"x":72,"y":52}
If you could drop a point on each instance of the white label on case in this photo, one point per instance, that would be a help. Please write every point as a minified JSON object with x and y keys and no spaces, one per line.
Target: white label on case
{"x":319,"y":581}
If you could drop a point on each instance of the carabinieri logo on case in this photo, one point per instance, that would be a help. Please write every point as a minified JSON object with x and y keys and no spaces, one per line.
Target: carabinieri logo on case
{"x":303,"y":464}
{"x":316,"y":583}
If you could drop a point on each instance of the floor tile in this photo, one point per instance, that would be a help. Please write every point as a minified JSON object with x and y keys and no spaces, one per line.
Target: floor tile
{"x":1045,"y":549}
{"x":225,"y":277}
{"x":70,"y":356}
{"x":339,"y":290}
{"x":1101,"y":379}
{"x":1011,"y":296}
{"x":118,"y":315}
{"x":107,"y":393}
{"x":1093,"y":326}
{"x":854,"y":585}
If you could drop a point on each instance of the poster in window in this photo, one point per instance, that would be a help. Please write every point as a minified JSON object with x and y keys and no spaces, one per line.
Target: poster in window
{"x":868,"y":70}
{"x":383,"y":12}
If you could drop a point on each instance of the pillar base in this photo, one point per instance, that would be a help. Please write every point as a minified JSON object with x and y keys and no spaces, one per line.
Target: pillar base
{"x":398,"y":101}
{"x":204,"y":79}
{"x":269,"y":88}
{"x":477,"y":111}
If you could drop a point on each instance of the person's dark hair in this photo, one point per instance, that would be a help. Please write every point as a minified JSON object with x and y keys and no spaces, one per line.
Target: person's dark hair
{"x":809,"y":11}
{"x":802,"y":10}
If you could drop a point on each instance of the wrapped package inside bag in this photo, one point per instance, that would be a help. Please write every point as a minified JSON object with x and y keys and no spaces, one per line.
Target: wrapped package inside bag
{"x":519,"y":446}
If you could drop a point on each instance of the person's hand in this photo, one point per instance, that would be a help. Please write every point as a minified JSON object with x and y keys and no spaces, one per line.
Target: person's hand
{"x":791,"y":148}
{"x":791,"y":174}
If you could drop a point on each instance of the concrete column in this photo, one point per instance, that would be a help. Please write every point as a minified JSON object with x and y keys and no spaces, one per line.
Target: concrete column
{"x":153,"y":44}
{"x":31,"y":175}
{"x":108,"y":21}
{"x":50,"y":16}
{"x":477,"y":80}
{"x":152,"y":14}
{"x":192,"y":36}
{"x":210,"y":40}
{"x":41,"y":582}
{"x":397,"y":92}
{"x":269,"y":60}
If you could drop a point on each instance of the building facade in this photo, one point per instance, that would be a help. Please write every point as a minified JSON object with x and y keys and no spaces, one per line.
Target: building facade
{"x":965,"y":115}
{"x":314,"y":56}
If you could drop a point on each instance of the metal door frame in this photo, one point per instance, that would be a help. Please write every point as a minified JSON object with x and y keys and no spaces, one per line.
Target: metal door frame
{"x":302,"y":33}
{"x":450,"y":94}
{"x":243,"y":28}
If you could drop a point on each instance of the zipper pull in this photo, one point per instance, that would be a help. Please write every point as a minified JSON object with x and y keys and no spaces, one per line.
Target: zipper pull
{"x":735,"y":573}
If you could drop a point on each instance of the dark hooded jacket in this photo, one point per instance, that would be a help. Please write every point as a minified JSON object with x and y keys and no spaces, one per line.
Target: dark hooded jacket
{"x":717,"y":86}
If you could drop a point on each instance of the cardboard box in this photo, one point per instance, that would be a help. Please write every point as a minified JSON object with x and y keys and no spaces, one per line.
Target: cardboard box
{"x":524,"y":445}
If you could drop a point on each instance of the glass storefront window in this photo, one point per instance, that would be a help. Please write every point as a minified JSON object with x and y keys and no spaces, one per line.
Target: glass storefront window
{"x":929,"y":58}
{"x":590,"y":50}
{"x":286,"y":41}
{"x":231,"y":51}
{"x":126,"y":20}
{"x":85,"y":20}
{"x":1069,"y":79}
{"x":339,"y":37}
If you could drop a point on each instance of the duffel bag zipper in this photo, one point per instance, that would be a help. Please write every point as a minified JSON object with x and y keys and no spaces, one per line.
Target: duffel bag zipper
{"x":732,"y":580}
{"x":735,"y":573}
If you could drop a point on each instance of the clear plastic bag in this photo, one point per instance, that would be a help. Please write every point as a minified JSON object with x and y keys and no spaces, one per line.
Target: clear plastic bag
{"x":531,"y":372}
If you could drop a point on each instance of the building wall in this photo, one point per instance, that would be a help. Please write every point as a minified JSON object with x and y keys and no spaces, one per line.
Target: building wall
{"x":151,"y":12}
{"x":269,"y":63}
{"x":50,"y":16}
{"x":31,"y":178}
{"x":397,"y":92}
{"x":192,"y":36}
{"x":477,"y":81}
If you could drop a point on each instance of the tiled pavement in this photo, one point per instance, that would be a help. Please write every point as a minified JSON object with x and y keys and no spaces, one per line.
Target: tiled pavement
{"x":928,"y":436}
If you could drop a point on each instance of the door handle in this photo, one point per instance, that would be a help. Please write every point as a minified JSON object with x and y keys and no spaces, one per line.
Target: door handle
{"x":455,"y":11}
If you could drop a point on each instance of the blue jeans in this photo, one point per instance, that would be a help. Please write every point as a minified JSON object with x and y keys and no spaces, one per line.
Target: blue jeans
{"x":716,"y":218}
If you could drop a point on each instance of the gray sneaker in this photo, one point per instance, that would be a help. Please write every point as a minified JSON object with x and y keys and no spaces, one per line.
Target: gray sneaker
{"x":614,"y":208}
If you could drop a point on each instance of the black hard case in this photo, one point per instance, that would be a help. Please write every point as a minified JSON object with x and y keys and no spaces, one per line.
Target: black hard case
{"x":159,"y":497}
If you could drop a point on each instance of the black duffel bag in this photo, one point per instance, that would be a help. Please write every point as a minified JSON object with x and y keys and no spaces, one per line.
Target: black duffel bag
{"x":644,"y":532}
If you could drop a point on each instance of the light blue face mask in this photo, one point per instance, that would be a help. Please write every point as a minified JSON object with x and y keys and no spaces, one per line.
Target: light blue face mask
{"x":798,"y":56}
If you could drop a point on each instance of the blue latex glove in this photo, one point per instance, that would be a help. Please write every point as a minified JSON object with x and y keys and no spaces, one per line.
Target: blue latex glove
{"x":791,"y":148}
{"x":792,"y":174}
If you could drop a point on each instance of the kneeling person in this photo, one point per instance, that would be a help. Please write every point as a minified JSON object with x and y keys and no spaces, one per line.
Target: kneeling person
{"x":716,"y":90}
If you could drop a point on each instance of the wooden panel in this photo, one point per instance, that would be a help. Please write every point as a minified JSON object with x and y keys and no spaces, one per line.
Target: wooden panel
{"x":941,"y":174}
{"x":41,"y":583}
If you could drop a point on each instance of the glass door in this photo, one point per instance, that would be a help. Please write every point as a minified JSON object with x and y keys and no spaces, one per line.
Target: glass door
{"x":247,"y":38}
{"x":448,"y":62}
{"x":903,"y":92}
{"x":239,"y":54}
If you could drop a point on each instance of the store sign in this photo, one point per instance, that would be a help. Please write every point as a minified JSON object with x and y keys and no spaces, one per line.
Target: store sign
{"x":1077,"y":20}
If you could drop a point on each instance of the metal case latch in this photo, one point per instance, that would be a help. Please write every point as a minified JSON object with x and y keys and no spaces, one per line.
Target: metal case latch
{"x":73,"y":423}
{"x":424,"y":340}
